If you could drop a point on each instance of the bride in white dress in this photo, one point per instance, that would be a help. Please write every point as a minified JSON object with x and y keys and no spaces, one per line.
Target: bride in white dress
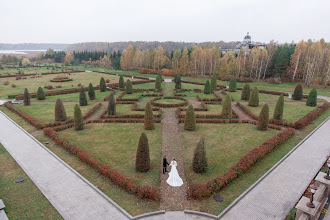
{"x":174,"y":178}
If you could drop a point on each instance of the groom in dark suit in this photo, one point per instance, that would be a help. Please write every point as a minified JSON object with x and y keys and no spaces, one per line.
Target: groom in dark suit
{"x":165,"y":164}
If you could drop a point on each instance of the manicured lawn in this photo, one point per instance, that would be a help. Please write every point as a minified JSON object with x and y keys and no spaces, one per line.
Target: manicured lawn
{"x":211,"y":110}
{"x":225,"y":144}
{"x":201,"y":95}
{"x":125,"y":109}
{"x":30,"y":70}
{"x":74,"y":97}
{"x":22,"y":200}
{"x":169,"y":101}
{"x":116,"y":144}
{"x":262,"y":97}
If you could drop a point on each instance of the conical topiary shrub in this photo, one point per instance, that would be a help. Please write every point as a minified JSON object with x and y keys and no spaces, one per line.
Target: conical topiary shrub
{"x":158,"y":83}
{"x":312,"y":98}
{"x":103,"y":86}
{"x":226,"y":108}
{"x":41,"y":94}
{"x":298,"y":93}
{"x":278,"y":113}
{"x":254,"y":97}
{"x":121,"y":82}
{"x":246,"y":92}
{"x":207,"y":87}
{"x":200,"y":160}
{"x":178,"y":82}
{"x":27,"y":98}
{"x":129,"y":89}
{"x":142,"y":162}
{"x":263,"y":118}
{"x":213,"y":82}
{"x":78,"y":119}
{"x":175,"y":78}
{"x":82,"y":97}
{"x":190,"y":121}
{"x":149,"y":118}
{"x":60,"y":114}
{"x":111,"y":105}
{"x":91,"y":92}
{"x":232,"y":85}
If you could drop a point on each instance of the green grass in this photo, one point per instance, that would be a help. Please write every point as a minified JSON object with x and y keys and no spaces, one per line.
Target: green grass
{"x":74,"y":97}
{"x":262,"y":97}
{"x":22,"y":200}
{"x":116,"y":144}
{"x":126,"y":109}
{"x":30,"y":70}
{"x":169,"y":101}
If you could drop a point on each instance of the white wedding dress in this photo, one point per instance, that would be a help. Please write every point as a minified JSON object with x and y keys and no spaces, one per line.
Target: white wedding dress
{"x":174,"y":178}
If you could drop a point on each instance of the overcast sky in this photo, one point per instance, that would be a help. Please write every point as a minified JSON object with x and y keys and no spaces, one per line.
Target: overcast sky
{"x":73,"y":21}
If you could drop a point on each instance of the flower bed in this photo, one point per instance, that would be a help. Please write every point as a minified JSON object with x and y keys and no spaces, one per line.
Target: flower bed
{"x":164,"y":105}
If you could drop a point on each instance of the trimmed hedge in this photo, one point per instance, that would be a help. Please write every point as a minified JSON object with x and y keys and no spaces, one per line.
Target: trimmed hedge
{"x":163,"y":105}
{"x":41,"y":94}
{"x":60,"y":113}
{"x":298,"y":93}
{"x":142,"y":162}
{"x":307,"y":119}
{"x":91,"y":92}
{"x":246,"y":92}
{"x":190,"y":120}
{"x":232,"y":85}
{"x":78,"y":119}
{"x":27,"y":98}
{"x":312,"y":98}
{"x":149,"y":118}
{"x":263,"y":118}
{"x":254,"y":97}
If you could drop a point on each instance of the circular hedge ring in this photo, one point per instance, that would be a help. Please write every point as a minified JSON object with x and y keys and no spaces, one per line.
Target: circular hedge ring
{"x":157,"y":102}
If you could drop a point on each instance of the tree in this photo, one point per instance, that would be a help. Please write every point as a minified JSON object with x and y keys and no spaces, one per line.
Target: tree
{"x":200,"y":160}
{"x":121,"y":82}
{"x":298,"y":93}
{"x":190,"y":121}
{"x":254,"y":97}
{"x":25,"y":61}
{"x":142,"y":163}
{"x":178,"y":82}
{"x":78,"y":119}
{"x":27,"y":98}
{"x":207,"y":88}
{"x":103,"y":86}
{"x":278,"y":113}
{"x":232,"y":85}
{"x":91,"y":92}
{"x":312,"y":98}
{"x":246,"y":92}
{"x":82,"y":97}
{"x":214,"y":82}
{"x":41,"y":94}
{"x":158,"y":83}
{"x":263,"y":118}
{"x":226,"y":108}
{"x":111,"y":105}
{"x":69,"y":57}
{"x":60,"y":114}
{"x":184,"y":62}
{"x":149,"y":118}
{"x":129,"y":89}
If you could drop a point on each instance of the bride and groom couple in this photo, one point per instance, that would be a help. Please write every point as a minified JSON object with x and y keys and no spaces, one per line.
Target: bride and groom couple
{"x":173,"y":178}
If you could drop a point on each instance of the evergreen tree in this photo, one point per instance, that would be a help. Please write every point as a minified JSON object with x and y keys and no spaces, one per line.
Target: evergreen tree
{"x":278,"y":113}
{"x":175,"y":78}
{"x":254,"y":97}
{"x":103,"y":86}
{"x":149,"y":118}
{"x":129,"y":89}
{"x":282,"y":61}
{"x":158,"y":83}
{"x":200,"y":160}
{"x":246,"y":92}
{"x":60,"y":114}
{"x":298,"y":93}
{"x":178,"y":82}
{"x":213,"y":82}
{"x":263,"y":118}
{"x":226,"y":108}
{"x":27,"y":98}
{"x":111,"y":105}
{"x":121,"y":82}
{"x":142,"y":163}
{"x":312,"y":98}
{"x":232,"y":85}
{"x":41,"y":94}
{"x":207,"y":88}
{"x":190,"y":121}
{"x":82,"y":97}
{"x":78,"y":119}
{"x":91,"y":92}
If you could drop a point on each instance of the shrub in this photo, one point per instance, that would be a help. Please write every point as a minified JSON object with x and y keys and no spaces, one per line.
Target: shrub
{"x":246,"y":92}
{"x":111,"y":105}
{"x":91,"y":92}
{"x":107,"y":81}
{"x":27,"y":98}
{"x":263,"y":118}
{"x":254,"y":97}
{"x":278,"y":113}
{"x":226,"y":108}
{"x":207,"y":87}
{"x":18,"y":77}
{"x":149,"y":118}
{"x":129,"y":89}
{"x":158,"y":83}
{"x":60,"y":114}
{"x":82,"y":97}
{"x":232,"y":85}
{"x":103,"y":86}
{"x":175,"y":78}
{"x":190,"y":121}
{"x":213,"y":82}
{"x":121,"y":82}
{"x":78,"y":119}
{"x":307,"y":119}
{"x":298,"y":93}
{"x":142,"y":163}
{"x":200,"y":160}
{"x":41,"y":94}
{"x":13,"y":85}
{"x":312,"y":98}
{"x":178,"y":82}
{"x":6,"y":83}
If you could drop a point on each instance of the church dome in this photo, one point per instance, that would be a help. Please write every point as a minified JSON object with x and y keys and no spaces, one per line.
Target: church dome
{"x":247,"y":37}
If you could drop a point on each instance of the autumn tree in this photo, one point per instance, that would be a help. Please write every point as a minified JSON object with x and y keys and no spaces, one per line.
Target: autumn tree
{"x":184,"y":62}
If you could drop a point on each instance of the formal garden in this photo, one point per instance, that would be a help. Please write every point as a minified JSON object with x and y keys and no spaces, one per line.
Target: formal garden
{"x":111,"y":128}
